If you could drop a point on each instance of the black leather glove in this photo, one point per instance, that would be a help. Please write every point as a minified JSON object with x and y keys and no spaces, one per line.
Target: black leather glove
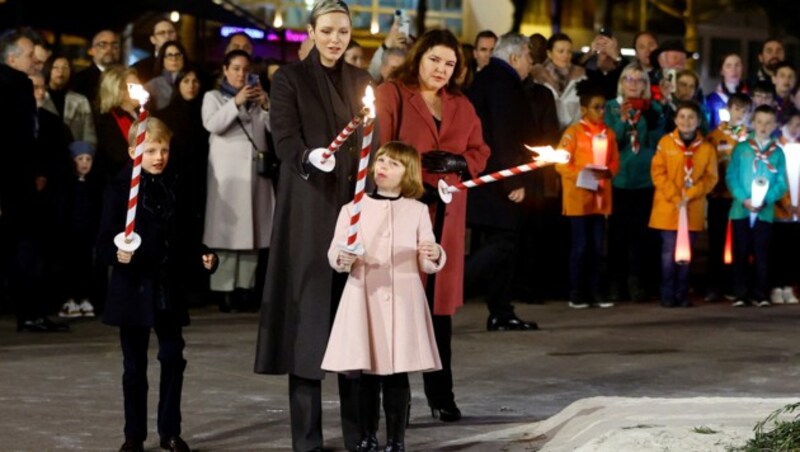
{"x":431,"y":194}
{"x":443,"y":162}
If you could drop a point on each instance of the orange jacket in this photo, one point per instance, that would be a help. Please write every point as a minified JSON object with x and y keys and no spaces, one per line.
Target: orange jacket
{"x":724,"y":138}
{"x":668,"y":174}
{"x":577,"y":141}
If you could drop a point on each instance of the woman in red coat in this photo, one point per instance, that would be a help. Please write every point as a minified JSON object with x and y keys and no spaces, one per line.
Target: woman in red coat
{"x":423,"y":107}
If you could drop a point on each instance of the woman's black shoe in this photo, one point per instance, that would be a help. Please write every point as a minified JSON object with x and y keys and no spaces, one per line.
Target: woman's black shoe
{"x":132,"y":446}
{"x":449,"y":413}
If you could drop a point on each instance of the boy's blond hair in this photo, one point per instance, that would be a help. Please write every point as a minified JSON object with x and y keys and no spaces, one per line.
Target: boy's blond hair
{"x":411,"y":184}
{"x":155,"y":130}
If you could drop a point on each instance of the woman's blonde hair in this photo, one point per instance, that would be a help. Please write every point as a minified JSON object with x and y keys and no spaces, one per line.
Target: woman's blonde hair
{"x":634,"y":67}
{"x":112,"y":87}
{"x":322,"y":7}
{"x":155,"y":130}
{"x":411,"y":184}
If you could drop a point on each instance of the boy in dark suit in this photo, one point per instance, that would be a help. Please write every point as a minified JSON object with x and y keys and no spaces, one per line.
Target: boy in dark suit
{"x":145,"y":290}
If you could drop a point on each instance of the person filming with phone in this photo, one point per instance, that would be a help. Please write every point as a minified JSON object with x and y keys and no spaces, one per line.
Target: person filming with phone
{"x":237,"y":117}
{"x":604,"y":62}
{"x":638,"y":124}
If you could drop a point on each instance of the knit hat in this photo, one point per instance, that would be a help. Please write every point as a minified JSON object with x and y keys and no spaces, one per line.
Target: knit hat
{"x":77,"y":148}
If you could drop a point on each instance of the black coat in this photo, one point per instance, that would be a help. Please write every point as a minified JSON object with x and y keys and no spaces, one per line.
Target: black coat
{"x":112,"y":146}
{"x":299,"y":300}
{"x":188,"y":150}
{"x":499,"y":99}
{"x":18,"y":126}
{"x":171,"y":251}
{"x":87,"y":82}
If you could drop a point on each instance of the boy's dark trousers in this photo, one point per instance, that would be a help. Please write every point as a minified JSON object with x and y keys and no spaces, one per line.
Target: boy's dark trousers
{"x":585,"y":257}
{"x":674,"y":277}
{"x":750,"y":241}
{"x":134,"y":341}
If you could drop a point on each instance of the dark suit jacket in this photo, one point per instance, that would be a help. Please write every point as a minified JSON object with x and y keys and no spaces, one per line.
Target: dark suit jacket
{"x":299,"y":302}
{"x":87,"y":82}
{"x":499,"y":99}
{"x":18,"y":126}
{"x":171,"y":251}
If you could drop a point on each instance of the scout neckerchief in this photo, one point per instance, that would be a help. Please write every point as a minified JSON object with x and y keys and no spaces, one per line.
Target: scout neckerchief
{"x":738,"y":133}
{"x":593,"y":129}
{"x":688,"y":153}
{"x":763,"y":156}
{"x":633,"y":120}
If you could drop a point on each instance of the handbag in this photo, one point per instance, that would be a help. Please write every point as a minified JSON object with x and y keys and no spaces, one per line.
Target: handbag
{"x":267,"y":163}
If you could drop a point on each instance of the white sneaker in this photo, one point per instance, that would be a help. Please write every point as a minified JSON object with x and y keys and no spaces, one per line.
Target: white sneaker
{"x":763,"y":304}
{"x":87,"y":310}
{"x":578,"y":305}
{"x":776,"y":296}
{"x":70,"y":310}
{"x":788,"y":295}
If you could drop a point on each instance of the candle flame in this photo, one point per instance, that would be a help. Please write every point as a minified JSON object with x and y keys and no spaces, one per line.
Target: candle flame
{"x":369,"y":102}
{"x":548,"y":155}
{"x":137,"y":92}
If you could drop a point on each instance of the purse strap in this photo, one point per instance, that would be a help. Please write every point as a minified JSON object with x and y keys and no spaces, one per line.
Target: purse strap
{"x":249,"y":138}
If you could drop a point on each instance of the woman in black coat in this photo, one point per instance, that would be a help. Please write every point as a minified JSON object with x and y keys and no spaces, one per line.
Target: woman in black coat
{"x":189,"y":145}
{"x":312,"y":101}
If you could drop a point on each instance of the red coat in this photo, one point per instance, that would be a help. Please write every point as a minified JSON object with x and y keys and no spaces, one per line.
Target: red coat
{"x":460,"y":133}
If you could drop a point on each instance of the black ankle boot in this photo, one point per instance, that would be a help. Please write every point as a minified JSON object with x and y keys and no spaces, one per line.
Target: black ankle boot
{"x":368,"y":443}
{"x":369,"y":406}
{"x":395,"y":405}
{"x":448,"y":412}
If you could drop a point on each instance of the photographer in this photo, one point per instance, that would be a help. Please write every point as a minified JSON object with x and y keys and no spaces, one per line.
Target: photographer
{"x":604,"y":63}
{"x":638,"y":124}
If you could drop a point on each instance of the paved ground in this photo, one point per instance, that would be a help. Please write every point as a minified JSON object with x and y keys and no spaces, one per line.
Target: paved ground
{"x":61,"y":391}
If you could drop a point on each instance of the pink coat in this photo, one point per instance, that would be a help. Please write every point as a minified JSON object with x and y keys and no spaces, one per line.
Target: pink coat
{"x":383,"y":324}
{"x":405,"y":117}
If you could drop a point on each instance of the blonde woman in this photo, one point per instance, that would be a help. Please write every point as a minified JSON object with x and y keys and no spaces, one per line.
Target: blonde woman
{"x":638,"y":125}
{"x":117,"y":112}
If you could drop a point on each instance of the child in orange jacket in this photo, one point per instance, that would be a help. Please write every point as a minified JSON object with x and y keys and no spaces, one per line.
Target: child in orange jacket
{"x":587,"y":195}
{"x":684,"y":171}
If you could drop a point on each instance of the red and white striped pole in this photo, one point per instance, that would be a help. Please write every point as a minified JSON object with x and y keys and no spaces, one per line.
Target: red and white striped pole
{"x":129,"y":240}
{"x":323,"y":158}
{"x":353,"y":245}
{"x":547,"y":156}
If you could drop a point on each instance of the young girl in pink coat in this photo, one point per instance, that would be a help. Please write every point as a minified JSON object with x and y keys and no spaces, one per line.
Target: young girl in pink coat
{"x":383,"y":324}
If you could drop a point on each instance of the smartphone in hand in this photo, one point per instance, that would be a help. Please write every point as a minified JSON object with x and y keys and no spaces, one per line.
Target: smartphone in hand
{"x":252,"y":80}
{"x":403,"y":21}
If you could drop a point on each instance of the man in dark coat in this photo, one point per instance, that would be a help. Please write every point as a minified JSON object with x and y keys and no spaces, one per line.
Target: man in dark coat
{"x":311,"y":104}
{"x":19,"y":129}
{"x":493,"y":210}
{"x":104,"y":52}
{"x":163,"y":31}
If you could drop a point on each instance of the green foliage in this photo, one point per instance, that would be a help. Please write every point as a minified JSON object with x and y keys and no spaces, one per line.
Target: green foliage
{"x":783,"y":437}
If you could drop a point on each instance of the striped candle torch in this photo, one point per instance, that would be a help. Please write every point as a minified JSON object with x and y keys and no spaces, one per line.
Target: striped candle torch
{"x":323,"y":158}
{"x":129,"y":240}
{"x":546,"y":156}
{"x":353,"y":245}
